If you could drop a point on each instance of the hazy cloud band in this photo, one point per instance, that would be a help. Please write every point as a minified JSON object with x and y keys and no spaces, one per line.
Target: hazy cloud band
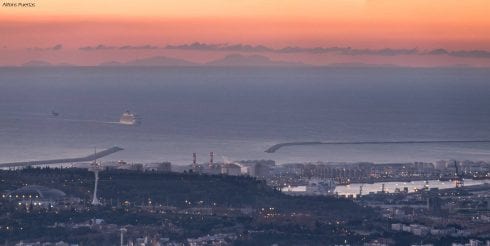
{"x":345,"y":51}
{"x":348,"y":51}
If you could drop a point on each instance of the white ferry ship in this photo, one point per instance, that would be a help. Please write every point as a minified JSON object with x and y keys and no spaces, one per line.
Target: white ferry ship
{"x":129,"y":118}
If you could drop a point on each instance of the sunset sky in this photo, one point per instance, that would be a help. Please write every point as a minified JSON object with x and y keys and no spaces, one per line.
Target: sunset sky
{"x":439,"y":32}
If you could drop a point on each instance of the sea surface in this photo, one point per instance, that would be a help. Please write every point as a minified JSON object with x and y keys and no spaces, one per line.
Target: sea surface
{"x":240,"y":112}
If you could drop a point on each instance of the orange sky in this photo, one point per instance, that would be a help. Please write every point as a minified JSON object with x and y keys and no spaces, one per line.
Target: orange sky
{"x":373,"y":24}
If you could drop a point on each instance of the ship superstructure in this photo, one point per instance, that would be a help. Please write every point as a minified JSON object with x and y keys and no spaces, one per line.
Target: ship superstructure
{"x":129,"y":118}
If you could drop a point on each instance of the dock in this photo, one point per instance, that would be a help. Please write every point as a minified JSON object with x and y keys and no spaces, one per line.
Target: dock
{"x":88,"y":158}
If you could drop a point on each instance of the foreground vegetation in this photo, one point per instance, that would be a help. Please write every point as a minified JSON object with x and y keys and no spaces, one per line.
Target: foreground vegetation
{"x":152,"y":203}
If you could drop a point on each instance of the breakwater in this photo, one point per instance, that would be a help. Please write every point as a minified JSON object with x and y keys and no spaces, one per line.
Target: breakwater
{"x":91,"y":157}
{"x":276,"y":147}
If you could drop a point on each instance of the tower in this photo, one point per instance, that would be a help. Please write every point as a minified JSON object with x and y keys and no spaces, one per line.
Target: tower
{"x":194,"y":160}
{"x":459,"y":177}
{"x":95,"y":167}
{"x":123,"y":230}
{"x":95,"y":200}
{"x":211,"y":156}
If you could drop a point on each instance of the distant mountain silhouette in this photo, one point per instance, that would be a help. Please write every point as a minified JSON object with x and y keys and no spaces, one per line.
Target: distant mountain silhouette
{"x":64,"y":64}
{"x":360,"y":65}
{"x":37,"y":63}
{"x":40,"y":63}
{"x":252,"y":60}
{"x":110,"y":64}
{"x":232,"y":60}
{"x":160,"y":61}
{"x":156,"y":61}
{"x":460,"y":65}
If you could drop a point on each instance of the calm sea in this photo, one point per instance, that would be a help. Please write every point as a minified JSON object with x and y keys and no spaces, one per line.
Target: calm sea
{"x":239,"y":112}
